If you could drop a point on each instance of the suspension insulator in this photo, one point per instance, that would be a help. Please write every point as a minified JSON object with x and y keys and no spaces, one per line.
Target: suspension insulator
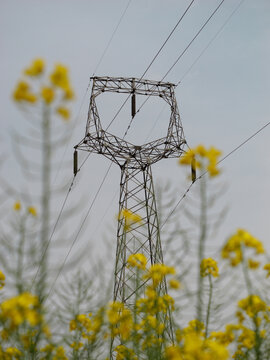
{"x":133,"y":105}
{"x":75,"y":162}
{"x":193,"y":169}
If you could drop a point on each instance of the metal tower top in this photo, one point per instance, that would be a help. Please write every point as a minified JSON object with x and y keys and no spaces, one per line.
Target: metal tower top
{"x":119,"y":150}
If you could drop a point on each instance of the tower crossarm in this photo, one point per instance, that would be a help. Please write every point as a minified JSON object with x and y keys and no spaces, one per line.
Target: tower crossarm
{"x":119,"y":150}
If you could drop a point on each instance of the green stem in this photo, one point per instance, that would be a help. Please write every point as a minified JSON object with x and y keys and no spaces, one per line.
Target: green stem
{"x":45,"y":201}
{"x":201,"y":249}
{"x":209,"y":305}
{"x":19,"y":270}
{"x":246,"y":274}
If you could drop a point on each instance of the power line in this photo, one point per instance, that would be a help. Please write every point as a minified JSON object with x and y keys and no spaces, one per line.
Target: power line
{"x":211,"y":41}
{"x":121,"y":107}
{"x":54,"y":228}
{"x":148,"y":67}
{"x":193,"y":39}
{"x":111,"y":38}
{"x":221,"y":160}
{"x":89,"y":83}
{"x":72,"y":130}
{"x":167,"y":39}
{"x":77,"y":235}
{"x":180,"y":56}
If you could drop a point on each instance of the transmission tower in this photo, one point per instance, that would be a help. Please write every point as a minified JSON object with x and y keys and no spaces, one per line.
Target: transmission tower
{"x":137,"y":193}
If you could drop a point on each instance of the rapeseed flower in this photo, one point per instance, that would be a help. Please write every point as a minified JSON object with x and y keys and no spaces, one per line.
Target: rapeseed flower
{"x":17,"y":206}
{"x":130,"y":218}
{"x":20,"y":309}
{"x":32,"y":210}
{"x":47,"y":94}
{"x":57,"y":87}
{"x":23,"y":93}
{"x":233,"y":250}
{"x":36,"y":68}
{"x":2,"y":279}
{"x":202,"y":158}
{"x":252,"y":264}
{"x":64,"y":112}
{"x":267,"y":268}
{"x":252,"y":305}
{"x":59,"y":77}
{"x":209,"y":267}
{"x":137,"y":260}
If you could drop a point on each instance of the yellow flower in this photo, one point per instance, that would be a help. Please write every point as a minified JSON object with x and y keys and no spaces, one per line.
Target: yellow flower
{"x":2,"y":280}
{"x":60,"y":354}
{"x":233,"y":248}
{"x":252,"y":264}
{"x":174,"y":284}
{"x":36,"y":68}
{"x":137,"y":260}
{"x":199,"y":156}
{"x":32,"y":210}
{"x":173,"y":353}
{"x":209,"y":267}
{"x":130,"y":218}
{"x":252,"y":305}
{"x":68,"y":94}
{"x":76,"y":345}
{"x":47,"y":94}
{"x":17,"y":206}
{"x":267,"y":268}
{"x":13,"y":353}
{"x":20,"y":309}
{"x":64,"y":112}
{"x":124,"y":353}
{"x":120,"y":319}
{"x":157,"y":273}
{"x":59,"y":76}
{"x":22,"y":93}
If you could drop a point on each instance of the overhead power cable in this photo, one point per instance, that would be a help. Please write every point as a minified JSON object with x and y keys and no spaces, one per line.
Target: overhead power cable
{"x":193,"y":39}
{"x":211,"y":41}
{"x":221,"y":160}
{"x":89,"y":83}
{"x":179,"y":57}
{"x":121,"y":107}
{"x":72,"y":130}
{"x":165,"y":42}
{"x":78,"y":233}
{"x":111,"y":38}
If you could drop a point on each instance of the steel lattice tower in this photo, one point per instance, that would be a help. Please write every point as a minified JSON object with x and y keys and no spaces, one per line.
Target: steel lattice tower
{"x":136,"y":186}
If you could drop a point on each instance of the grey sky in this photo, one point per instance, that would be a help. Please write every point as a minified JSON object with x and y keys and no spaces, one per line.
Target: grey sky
{"x":223,"y":99}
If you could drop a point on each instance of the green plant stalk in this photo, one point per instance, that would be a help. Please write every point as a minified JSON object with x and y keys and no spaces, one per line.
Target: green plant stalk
{"x":202,"y":239}
{"x":209,"y":306}
{"x":20,"y":259}
{"x":45,"y":201}
{"x":246,"y":274}
{"x":258,"y":340}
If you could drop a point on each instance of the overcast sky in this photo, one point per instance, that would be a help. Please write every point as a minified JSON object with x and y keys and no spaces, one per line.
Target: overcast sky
{"x":222,"y":99}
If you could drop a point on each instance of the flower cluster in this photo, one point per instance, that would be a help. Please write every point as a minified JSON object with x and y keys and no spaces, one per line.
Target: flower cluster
{"x":209,"y":267}
{"x":192,"y":344}
{"x":30,"y":209}
{"x":20,"y":309}
{"x":2,"y":279}
{"x":203,"y":159}
{"x":56,"y":89}
{"x":233,"y":249}
{"x":129,"y":218}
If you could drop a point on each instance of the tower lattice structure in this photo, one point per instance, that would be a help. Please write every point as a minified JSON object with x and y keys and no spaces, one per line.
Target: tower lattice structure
{"x":137,"y":193}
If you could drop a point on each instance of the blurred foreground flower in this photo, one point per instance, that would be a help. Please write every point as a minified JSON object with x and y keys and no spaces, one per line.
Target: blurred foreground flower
{"x":2,"y":279}
{"x":203,"y":159}
{"x":233,"y":250}
{"x":53,"y":92}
